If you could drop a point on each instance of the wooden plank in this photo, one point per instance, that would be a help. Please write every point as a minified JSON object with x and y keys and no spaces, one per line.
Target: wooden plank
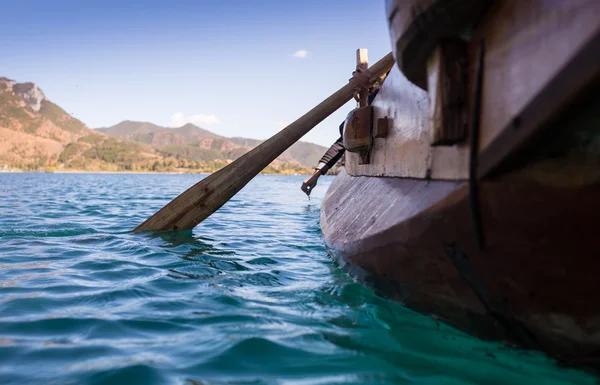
{"x":578,"y":76}
{"x":362,"y":64}
{"x":528,"y":44}
{"x":447,"y":87}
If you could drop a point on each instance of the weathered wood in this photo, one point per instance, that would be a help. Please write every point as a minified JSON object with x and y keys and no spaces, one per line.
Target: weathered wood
{"x":416,"y":26}
{"x":362,"y":63}
{"x":406,"y":150}
{"x":447,"y":86}
{"x":540,"y":57}
{"x":412,"y":240}
{"x":207,"y":196}
{"x":573,"y":81}
{"x":528,"y":45}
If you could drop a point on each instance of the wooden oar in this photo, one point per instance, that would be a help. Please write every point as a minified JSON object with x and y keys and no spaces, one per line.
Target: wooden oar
{"x":207,"y":196}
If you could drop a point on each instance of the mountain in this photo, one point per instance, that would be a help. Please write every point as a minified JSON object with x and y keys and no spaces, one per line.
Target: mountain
{"x":195,"y":143}
{"x":155,"y":135}
{"x":38,"y":135}
{"x":306,"y":153}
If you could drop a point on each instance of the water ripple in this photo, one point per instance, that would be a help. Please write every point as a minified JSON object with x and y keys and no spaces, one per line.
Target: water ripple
{"x":248,"y":297}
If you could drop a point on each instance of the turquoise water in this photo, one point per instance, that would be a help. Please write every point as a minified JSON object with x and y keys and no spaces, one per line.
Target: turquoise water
{"x":249,"y":297}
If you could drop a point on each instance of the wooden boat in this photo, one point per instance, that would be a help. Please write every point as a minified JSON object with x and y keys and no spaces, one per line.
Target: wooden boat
{"x":475,"y":196}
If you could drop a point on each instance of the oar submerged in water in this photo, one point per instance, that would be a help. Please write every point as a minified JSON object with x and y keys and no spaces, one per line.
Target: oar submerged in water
{"x":204,"y":198}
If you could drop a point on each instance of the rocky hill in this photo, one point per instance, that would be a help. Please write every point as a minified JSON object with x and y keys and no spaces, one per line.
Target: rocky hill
{"x":195,"y":143}
{"x":306,"y":153}
{"x":38,"y":135}
{"x":156,"y":135}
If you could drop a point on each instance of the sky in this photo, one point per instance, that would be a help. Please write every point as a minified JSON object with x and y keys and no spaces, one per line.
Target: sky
{"x":235,"y":67}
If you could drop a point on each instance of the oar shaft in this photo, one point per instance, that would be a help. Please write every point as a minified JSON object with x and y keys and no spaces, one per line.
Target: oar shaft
{"x":207,"y":196}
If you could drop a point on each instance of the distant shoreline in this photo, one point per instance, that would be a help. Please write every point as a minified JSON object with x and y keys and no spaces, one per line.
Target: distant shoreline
{"x":124,"y":172}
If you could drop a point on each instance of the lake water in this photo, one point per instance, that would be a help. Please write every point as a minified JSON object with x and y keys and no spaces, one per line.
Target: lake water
{"x":249,"y":297}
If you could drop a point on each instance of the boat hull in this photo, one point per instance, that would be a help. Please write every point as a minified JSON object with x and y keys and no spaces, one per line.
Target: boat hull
{"x":532,"y":284}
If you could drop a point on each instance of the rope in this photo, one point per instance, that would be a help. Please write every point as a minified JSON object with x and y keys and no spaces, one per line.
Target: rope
{"x":361,"y":80}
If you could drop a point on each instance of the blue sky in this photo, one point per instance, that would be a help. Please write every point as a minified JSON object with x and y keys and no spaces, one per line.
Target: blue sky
{"x":226,"y":65}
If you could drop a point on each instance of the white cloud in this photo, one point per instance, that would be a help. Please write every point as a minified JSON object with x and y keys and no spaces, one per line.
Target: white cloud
{"x":179,"y":119}
{"x":281,"y":125}
{"x":301,"y":54}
